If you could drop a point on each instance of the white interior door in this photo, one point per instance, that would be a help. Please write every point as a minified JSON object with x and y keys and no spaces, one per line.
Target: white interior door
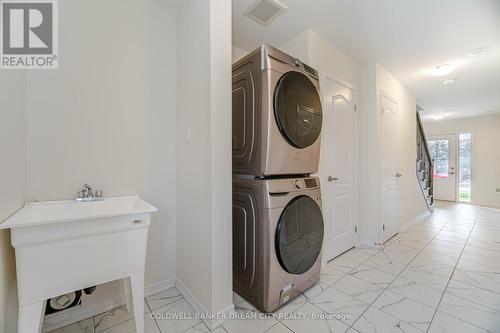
{"x":389,"y":146}
{"x":337,"y":167}
{"x":443,"y":152}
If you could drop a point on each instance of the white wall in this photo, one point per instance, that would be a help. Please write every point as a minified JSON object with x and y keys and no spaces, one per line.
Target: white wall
{"x":237,"y":53}
{"x":411,"y":201}
{"x":322,"y":55}
{"x":369,"y":171}
{"x":204,"y":153}
{"x":221,"y":159}
{"x":107,"y":116}
{"x":13,"y":184}
{"x":485,"y":153}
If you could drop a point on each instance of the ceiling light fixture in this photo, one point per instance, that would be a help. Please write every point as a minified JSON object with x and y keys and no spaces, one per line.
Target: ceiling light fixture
{"x":438,"y":116}
{"x":478,"y":51}
{"x":448,"y":82}
{"x":442,"y":70}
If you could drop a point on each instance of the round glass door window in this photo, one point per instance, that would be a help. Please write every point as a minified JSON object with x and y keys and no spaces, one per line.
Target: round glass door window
{"x":297,"y":109}
{"x":299,"y":235}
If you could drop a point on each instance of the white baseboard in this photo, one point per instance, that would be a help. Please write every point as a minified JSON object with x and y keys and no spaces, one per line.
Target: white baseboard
{"x":417,"y":219}
{"x":70,"y":316}
{"x":218,"y":318}
{"x":158,"y":287}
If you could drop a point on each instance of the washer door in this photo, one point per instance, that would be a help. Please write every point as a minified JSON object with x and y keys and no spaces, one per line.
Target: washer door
{"x":297,"y":109}
{"x":299,"y":235}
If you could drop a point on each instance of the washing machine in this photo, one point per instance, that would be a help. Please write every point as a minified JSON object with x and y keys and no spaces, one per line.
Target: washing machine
{"x":277,"y":239}
{"x":276,"y":115}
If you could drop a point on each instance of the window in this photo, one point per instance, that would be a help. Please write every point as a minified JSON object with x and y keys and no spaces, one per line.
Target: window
{"x":464,"y":160}
{"x":439,"y":150}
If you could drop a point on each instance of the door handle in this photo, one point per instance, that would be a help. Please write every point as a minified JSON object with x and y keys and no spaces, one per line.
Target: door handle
{"x":398,"y":175}
{"x":331,"y":179}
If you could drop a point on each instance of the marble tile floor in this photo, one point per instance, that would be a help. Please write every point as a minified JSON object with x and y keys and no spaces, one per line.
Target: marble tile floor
{"x":442,"y":275}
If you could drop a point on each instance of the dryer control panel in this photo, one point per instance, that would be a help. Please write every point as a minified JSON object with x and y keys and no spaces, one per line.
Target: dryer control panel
{"x":269,"y":52}
{"x":287,"y":185}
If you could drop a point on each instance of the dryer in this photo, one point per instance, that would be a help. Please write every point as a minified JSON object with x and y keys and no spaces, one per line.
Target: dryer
{"x":277,"y":239}
{"x":277,"y":115}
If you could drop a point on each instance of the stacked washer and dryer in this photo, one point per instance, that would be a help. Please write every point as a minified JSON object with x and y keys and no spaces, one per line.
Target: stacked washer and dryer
{"x":277,"y":219}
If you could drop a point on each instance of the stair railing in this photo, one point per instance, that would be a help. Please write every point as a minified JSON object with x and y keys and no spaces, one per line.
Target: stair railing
{"x":425,"y":165}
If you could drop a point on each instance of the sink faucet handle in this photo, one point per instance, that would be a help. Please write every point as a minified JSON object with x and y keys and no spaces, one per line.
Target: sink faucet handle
{"x":86,"y":191}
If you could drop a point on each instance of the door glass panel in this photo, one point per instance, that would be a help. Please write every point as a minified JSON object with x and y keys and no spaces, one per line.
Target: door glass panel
{"x":464,"y":160}
{"x":440,"y":150}
{"x":297,"y":108}
{"x":299,"y":235}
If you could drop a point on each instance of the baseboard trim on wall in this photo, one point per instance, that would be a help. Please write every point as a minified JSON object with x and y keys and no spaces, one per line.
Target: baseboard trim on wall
{"x":417,"y":219}
{"x":158,"y":287}
{"x":213,"y":320}
{"x":61,"y":319}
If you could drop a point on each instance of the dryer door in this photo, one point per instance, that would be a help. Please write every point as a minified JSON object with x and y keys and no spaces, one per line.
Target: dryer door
{"x":299,"y":235}
{"x":297,"y":109}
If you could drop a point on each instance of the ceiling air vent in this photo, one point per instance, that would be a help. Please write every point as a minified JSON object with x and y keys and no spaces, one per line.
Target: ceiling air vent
{"x":265,"y":11}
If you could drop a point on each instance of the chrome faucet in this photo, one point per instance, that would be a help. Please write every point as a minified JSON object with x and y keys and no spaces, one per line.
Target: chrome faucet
{"x":86,"y":194}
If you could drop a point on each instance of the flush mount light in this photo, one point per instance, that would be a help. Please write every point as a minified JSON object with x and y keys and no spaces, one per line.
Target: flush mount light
{"x":448,"y":82}
{"x":442,"y":70}
{"x":438,"y":116}
{"x":478,"y":51}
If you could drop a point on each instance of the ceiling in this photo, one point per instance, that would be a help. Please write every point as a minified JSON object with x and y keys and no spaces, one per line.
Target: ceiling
{"x":407,"y":38}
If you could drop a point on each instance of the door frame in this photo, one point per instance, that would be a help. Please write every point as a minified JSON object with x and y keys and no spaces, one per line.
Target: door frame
{"x":381,"y":230}
{"x":457,"y":162}
{"x":355,"y":154}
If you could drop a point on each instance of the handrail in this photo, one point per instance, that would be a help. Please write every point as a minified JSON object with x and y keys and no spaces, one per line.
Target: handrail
{"x":430,"y":162}
{"x":426,"y":146}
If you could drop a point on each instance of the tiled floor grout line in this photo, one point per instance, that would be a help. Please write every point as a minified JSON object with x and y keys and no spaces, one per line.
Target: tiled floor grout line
{"x":385,"y":289}
{"x":151,"y":311}
{"x":396,"y":276}
{"x":452,"y":273}
{"x":331,"y":286}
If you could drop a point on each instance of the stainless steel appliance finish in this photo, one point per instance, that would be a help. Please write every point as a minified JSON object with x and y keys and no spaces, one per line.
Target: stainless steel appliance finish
{"x":277,"y":115}
{"x":277,"y":239}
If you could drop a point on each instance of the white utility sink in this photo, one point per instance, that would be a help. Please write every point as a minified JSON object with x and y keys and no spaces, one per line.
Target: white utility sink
{"x":63,"y":246}
{"x":47,"y":212}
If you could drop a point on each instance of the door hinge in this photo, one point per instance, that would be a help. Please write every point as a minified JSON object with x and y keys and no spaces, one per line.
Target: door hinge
{"x":355,"y":107}
{"x":383,"y":227}
{"x":356,"y":229}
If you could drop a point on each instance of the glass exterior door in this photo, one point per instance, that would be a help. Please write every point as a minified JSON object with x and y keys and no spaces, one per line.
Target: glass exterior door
{"x":443,"y":153}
